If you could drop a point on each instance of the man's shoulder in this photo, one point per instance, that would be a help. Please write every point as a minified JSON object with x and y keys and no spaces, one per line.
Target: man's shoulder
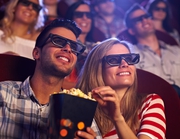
{"x":10,"y":84}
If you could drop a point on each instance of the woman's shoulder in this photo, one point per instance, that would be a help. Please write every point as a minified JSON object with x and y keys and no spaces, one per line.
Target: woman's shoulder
{"x":153,"y":98}
{"x":1,"y":32}
{"x":152,"y":101}
{"x":35,"y":35}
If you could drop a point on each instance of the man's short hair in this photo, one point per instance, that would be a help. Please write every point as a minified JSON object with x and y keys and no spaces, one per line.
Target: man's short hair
{"x":128,"y":13}
{"x":68,"y":24}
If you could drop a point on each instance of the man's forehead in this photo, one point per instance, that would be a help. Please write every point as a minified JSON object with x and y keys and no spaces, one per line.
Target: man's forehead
{"x":64,"y":32}
{"x":137,"y":13}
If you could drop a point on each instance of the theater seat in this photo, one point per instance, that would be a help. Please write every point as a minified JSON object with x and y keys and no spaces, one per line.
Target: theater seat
{"x":162,"y":36}
{"x":150,"y":83}
{"x":15,"y":68}
{"x":19,"y":68}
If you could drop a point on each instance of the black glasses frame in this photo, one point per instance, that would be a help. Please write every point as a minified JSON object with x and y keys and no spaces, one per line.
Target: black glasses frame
{"x":103,"y":1}
{"x":35,"y":6}
{"x":130,"y":59}
{"x":160,"y":9}
{"x":78,"y":14}
{"x":76,"y":47}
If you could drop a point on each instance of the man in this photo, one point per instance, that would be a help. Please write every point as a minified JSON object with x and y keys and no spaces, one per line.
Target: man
{"x":156,"y":56}
{"x":24,"y":105}
{"x":106,"y":19}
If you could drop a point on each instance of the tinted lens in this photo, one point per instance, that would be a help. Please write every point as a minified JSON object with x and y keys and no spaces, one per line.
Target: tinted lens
{"x":61,"y":42}
{"x":160,"y":9}
{"x":81,"y":14}
{"x":103,"y":1}
{"x":131,"y":58}
{"x":115,"y":60}
{"x":35,"y":6}
{"x":78,"y":14}
{"x":140,"y":18}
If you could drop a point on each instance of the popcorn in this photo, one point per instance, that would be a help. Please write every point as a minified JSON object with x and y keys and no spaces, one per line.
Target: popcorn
{"x":78,"y":92}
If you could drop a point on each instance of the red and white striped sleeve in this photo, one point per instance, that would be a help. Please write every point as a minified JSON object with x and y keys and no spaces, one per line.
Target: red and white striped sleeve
{"x":152,"y":117}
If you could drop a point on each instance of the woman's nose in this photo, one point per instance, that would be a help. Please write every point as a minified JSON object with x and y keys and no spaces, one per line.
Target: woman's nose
{"x":123,"y":64}
{"x":30,"y":6}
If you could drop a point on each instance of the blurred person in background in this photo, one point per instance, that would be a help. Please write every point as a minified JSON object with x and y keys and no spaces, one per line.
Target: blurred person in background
{"x":51,"y":10}
{"x":107,"y":18}
{"x":157,"y":57}
{"x":160,"y":12}
{"x":81,"y":13}
{"x":20,"y":27}
{"x":63,"y":6}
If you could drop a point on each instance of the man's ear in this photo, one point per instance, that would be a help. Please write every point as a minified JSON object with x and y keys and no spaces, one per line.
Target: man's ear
{"x":36,"y":53}
{"x":131,"y":31}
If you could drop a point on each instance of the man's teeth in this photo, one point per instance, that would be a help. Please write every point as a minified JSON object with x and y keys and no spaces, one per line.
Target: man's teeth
{"x":64,"y":58}
{"x":124,"y":73}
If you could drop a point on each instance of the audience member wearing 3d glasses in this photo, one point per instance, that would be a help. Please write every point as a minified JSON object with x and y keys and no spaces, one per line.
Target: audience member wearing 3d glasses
{"x":161,"y":13}
{"x":109,"y":73}
{"x":20,"y":26}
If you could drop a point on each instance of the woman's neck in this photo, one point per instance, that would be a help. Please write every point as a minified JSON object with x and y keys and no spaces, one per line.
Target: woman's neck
{"x":20,"y":30}
{"x":82,"y":37}
{"x":52,"y":10}
{"x":158,"y":25}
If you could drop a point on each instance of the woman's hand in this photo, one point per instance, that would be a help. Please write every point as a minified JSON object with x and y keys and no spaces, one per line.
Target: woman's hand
{"x":108,"y":100}
{"x":90,"y":134}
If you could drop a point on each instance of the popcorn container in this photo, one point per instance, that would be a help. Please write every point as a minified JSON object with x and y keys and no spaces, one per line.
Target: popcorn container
{"x":68,"y":114}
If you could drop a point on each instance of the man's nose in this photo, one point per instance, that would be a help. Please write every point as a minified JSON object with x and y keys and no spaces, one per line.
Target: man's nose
{"x":67,"y":48}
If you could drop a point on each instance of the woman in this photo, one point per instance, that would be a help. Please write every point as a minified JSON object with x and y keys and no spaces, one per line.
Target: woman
{"x":160,"y":13}
{"x":20,"y":27}
{"x":52,"y":10}
{"x":80,"y":12}
{"x":109,"y":73}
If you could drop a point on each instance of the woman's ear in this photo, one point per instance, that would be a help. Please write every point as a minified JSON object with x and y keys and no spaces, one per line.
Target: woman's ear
{"x":36,"y":53}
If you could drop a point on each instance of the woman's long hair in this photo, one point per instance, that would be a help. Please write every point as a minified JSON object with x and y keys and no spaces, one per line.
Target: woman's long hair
{"x":9,"y":17}
{"x":166,"y":22}
{"x":91,"y":77}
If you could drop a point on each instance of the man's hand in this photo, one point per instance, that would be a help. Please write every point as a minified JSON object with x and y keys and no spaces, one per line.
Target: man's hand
{"x":88,"y":134}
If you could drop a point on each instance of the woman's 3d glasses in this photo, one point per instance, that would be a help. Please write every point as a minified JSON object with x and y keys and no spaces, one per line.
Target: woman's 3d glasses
{"x":35,"y":6}
{"x":160,"y":9}
{"x":115,"y":60}
{"x":77,"y":48}
{"x":81,"y":14}
{"x":103,"y":1}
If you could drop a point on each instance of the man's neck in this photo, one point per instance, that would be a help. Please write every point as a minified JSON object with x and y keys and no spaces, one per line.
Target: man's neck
{"x":108,"y":18}
{"x":150,"y":41}
{"x":44,"y":86}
